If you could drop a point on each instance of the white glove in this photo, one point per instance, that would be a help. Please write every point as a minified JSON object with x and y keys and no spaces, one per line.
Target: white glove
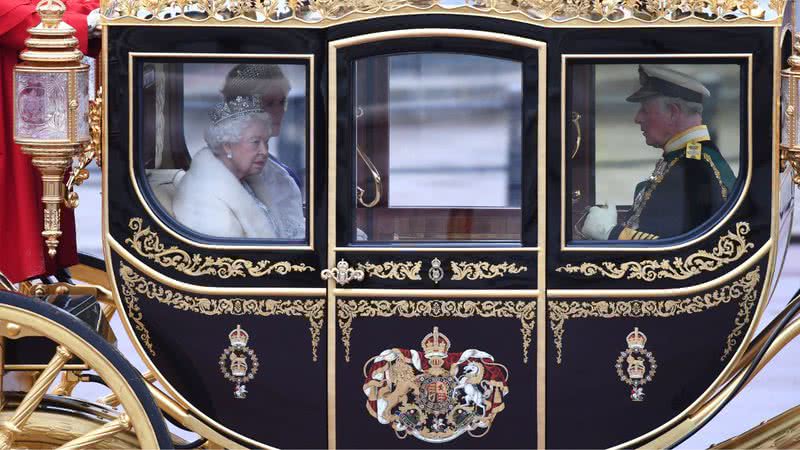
{"x":92,"y":23}
{"x":599,"y":222}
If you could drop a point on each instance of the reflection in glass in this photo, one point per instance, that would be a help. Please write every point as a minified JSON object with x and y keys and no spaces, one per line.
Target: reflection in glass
{"x":659,"y":147}
{"x":438,"y":139}
{"x":224,"y":147}
{"x":42,"y":106}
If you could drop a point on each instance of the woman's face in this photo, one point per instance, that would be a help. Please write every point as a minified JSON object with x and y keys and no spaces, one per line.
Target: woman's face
{"x":273,"y":99}
{"x":250,"y":154}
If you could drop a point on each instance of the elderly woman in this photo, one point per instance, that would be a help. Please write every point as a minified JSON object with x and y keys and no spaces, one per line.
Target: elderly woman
{"x":224,"y":193}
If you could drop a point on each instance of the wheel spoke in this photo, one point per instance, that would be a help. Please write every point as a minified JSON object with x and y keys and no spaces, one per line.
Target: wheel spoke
{"x":9,"y":429}
{"x":111,"y":399}
{"x":69,"y":379}
{"x":120,"y":424}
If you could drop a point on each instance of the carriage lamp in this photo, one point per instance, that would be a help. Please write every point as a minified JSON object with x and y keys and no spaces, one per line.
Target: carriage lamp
{"x":51,"y":108}
{"x":790,"y":108}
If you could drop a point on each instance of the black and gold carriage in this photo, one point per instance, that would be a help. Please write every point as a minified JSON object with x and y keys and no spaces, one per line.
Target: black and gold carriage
{"x":428,"y":279}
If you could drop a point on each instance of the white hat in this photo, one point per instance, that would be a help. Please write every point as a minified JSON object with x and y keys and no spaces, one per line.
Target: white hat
{"x":660,"y":80}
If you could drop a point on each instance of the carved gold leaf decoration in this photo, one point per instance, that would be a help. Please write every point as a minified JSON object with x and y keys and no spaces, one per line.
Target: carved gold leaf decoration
{"x":134,"y":284}
{"x":135,"y":314}
{"x":523,"y":310}
{"x":483,"y":270}
{"x":406,"y":270}
{"x":742,"y":290}
{"x":730,"y":248}
{"x":147,"y":244}
{"x":740,"y":322}
{"x":317,"y":11}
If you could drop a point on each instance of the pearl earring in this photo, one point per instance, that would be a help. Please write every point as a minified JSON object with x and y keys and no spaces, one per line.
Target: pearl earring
{"x":230,"y":155}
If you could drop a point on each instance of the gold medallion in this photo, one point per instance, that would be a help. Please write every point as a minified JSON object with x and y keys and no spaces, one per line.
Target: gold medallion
{"x":640,"y":364}
{"x":233,"y":362}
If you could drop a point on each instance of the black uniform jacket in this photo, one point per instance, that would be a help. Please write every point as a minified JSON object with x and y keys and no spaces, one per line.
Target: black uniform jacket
{"x":688,"y":193}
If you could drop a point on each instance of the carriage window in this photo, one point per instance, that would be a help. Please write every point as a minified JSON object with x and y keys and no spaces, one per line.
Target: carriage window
{"x":224,"y":146}
{"x":652,"y":150}
{"x":438,"y":148}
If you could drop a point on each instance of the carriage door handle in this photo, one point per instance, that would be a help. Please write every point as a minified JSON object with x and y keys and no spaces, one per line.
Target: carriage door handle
{"x":343,"y":273}
{"x":575,"y":118}
{"x":376,"y":174}
{"x":376,"y":178}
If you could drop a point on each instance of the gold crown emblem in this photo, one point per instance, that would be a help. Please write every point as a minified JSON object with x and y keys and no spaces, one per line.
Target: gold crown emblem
{"x":238,"y":365}
{"x":435,"y":344}
{"x":636,"y":368}
{"x":238,"y":337}
{"x":235,"y":107}
{"x":636,"y":339}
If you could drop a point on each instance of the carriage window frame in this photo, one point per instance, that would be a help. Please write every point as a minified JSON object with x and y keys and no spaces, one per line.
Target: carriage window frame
{"x":743,"y":179}
{"x":136,"y":163}
{"x":343,"y":55}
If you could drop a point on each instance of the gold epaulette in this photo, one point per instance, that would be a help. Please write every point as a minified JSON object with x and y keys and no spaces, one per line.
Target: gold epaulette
{"x":629,"y":234}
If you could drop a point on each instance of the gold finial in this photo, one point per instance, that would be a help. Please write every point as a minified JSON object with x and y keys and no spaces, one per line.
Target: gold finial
{"x":51,"y":12}
{"x":52,"y":40}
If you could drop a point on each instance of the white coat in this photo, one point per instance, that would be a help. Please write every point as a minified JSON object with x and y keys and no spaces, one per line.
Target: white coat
{"x":212,"y":201}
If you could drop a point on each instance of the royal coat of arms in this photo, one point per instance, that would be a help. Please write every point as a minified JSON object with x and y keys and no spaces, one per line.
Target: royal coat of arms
{"x":435,"y":395}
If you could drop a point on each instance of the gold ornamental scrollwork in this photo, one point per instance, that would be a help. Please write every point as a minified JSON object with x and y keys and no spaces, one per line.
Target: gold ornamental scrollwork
{"x":743,"y":290}
{"x":317,"y":11}
{"x":406,"y":270}
{"x":730,"y":247}
{"x":134,"y":313}
{"x":147,"y":243}
{"x":522,"y":310}
{"x":135,"y":286}
{"x":93,"y":151}
{"x":483,"y":270}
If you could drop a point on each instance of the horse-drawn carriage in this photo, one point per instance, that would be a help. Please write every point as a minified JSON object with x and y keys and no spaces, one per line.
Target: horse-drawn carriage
{"x":412,"y":223}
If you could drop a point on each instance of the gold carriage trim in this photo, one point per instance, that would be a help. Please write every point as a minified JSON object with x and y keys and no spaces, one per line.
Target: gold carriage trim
{"x":523,"y":310}
{"x":134,"y":313}
{"x":482,"y":270}
{"x":742,"y":290}
{"x":148,"y":244}
{"x":296,"y":12}
{"x":135,"y":285}
{"x":731,"y":247}
{"x":406,"y":270}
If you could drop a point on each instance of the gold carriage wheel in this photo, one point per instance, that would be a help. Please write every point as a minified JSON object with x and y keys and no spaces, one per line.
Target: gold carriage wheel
{"x":16,"y":322}
{"x":58,"y":420}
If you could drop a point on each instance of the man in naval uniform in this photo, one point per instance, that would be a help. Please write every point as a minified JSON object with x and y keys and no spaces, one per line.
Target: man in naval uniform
{"x":690,"y":182}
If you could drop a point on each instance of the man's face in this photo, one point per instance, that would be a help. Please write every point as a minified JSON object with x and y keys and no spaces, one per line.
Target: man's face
{"x":655,"y":121}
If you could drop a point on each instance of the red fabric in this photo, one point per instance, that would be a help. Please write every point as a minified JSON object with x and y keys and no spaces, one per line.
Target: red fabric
{"x":23,"y":253}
